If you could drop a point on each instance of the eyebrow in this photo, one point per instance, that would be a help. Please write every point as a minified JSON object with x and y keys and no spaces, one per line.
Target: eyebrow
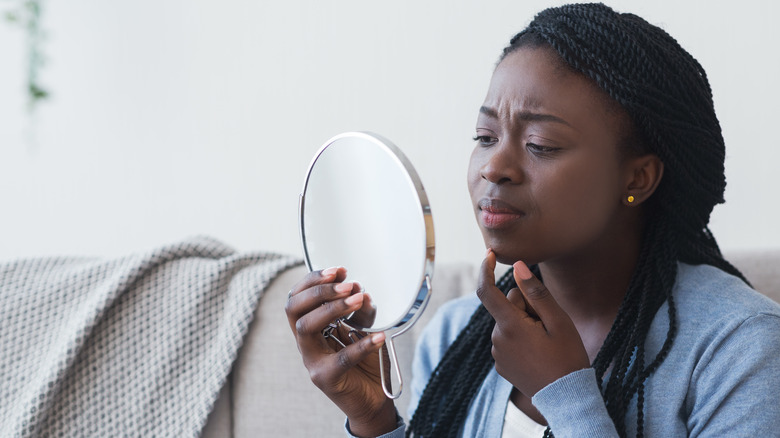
{"x":526,"y":116}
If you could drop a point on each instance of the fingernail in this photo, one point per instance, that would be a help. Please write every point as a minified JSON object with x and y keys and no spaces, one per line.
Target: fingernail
{"x":354,"y":299}
{"x":330,"y":271}
{"x":522,"y":270}
{"x":343,"y":287}
{"x":378,"y":338}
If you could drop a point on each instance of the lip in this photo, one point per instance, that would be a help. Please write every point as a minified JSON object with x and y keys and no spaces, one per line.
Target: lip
{"x":496,"y":214}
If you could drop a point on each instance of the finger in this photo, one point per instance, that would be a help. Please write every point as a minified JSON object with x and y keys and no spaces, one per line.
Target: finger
{"x":312,"y":323}
{"x":516,"y":297}
{"x":365,"y":316}
{"x":356,"y":353}
{"x":494,"y":301}
{"x":538,"y":296}
{"x":305,"y":301}
{"x":336,"y":274}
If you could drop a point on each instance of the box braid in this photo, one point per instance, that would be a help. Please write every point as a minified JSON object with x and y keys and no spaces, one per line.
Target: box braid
{"x":445,"y":401}
{"x":668,"y":97}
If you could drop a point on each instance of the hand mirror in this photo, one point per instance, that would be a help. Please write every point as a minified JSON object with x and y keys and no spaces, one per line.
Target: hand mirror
{"x":363,"y":207}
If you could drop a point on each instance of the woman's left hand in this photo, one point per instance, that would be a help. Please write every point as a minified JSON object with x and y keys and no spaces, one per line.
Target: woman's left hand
{"x":534,"y":341}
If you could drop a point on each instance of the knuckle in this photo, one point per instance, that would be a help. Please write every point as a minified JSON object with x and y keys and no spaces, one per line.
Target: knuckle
{"x":329,"y":307}
{"x":537,"y":291}
{"x":309,"y":280}
{"x":343,"y":360}
{"x":338,"y":306}
{"x":318,"y":377}
{"x":301,"y":327}
{"x":365,"y":346}
{"x":482,"y":292}
{"x":320,"y":293}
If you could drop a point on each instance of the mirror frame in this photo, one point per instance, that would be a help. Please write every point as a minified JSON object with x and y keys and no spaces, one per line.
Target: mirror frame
{"x":417,"y":306}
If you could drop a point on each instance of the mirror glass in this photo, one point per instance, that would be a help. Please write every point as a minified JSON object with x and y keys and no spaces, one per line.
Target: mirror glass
{"x":363,"y":207}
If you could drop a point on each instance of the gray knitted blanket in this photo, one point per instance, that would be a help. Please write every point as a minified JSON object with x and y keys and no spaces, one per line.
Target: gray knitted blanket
{"x":134,"y":346}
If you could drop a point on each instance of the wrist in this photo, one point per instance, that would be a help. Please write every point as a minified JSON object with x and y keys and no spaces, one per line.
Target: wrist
{"x":382,"y":422}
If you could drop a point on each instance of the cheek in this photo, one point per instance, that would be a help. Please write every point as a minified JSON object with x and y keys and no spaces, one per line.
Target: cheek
{"x":590,"y":190}
{"x":583,"y":202}
{"x":473,"y":177}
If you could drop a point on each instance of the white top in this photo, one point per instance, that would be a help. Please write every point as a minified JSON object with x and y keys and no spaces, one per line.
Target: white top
{"x":519,"y":425}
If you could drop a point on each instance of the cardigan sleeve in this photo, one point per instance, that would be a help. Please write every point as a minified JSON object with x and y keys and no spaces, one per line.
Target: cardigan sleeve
{"x":584,"y":414}
{"x":733,"y":389}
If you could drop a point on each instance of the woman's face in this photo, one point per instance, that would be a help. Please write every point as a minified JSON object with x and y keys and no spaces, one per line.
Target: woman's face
{"x":545,"y":177}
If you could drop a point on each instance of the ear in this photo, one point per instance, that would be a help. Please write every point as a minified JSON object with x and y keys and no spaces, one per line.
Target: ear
{"x":643,"y":174}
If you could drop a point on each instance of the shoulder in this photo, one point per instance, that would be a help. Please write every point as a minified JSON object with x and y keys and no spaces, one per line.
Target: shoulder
{"x":720,"y":320}
{"x":704,"y":292}
{"x":724,"y":357}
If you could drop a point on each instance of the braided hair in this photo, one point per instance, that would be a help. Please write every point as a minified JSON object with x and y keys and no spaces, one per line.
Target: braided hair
{"x":668,"y":97}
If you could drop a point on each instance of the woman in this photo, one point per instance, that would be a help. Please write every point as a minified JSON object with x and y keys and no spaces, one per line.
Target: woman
{"x":598,"y":161}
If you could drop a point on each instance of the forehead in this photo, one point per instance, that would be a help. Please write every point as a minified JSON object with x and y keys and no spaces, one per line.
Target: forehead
{"x":537,"y":79}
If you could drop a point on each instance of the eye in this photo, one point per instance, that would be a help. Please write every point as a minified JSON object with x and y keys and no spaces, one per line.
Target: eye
{"x":541,"y":150}
{"x":485,"y":140}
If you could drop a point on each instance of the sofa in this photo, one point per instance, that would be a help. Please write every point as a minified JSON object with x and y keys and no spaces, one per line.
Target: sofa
{"x":269,"y":393}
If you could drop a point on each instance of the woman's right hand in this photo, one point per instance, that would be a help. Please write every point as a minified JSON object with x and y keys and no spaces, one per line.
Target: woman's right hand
{"x":349,"y":375}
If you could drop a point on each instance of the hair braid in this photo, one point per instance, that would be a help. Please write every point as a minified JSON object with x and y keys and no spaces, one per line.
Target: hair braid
{"x":666,"y":93}
{"x":441,"y":411}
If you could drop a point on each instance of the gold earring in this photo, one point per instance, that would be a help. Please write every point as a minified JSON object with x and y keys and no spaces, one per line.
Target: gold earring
{"x":630,"y":199}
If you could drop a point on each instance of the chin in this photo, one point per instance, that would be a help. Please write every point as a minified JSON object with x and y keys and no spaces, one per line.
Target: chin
{"x":508,"y":248}
{"x":505,"y":259}
{"x":508,"y":256}
{"x":505,"y":256}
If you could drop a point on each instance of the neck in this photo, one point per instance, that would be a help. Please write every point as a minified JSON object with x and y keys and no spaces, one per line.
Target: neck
{"x":590,"y":286}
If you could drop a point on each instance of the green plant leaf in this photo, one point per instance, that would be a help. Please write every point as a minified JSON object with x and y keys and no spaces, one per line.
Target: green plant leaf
{"x":38,"y":93}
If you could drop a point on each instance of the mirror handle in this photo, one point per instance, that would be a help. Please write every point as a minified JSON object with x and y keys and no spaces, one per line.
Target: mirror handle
{"x":394,"y":361}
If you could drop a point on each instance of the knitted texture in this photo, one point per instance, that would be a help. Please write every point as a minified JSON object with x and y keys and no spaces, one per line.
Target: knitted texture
{"x":133,"y":346}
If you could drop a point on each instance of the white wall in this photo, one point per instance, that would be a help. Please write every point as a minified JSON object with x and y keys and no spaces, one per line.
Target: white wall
{"x":199,"y":117}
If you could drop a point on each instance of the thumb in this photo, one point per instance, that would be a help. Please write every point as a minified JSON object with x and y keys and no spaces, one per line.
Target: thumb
{"x":538,"y":296}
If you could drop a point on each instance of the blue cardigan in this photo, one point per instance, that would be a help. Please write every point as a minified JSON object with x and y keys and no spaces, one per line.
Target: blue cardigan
{"x":721,"y":377}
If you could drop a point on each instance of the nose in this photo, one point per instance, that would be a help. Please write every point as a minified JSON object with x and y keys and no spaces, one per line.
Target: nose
{"x":503,"y":164}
